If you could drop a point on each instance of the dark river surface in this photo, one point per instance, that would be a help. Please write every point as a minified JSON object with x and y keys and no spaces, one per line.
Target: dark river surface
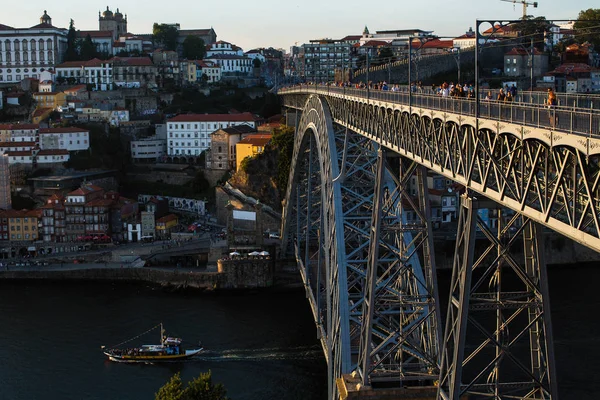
{"x":260,"y":345}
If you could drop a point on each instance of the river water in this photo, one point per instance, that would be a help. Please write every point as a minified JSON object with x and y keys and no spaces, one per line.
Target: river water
{"x":260,"y":345}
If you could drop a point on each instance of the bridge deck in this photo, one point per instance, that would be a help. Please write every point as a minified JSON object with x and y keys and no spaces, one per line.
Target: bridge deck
{"x":572,"y":120}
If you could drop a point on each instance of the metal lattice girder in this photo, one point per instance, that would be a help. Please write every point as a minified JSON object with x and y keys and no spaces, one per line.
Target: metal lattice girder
{"x":500,"y":308}
{"x":328,"y":225}
{"x":400,"y":333}
{"x":550,"y":177}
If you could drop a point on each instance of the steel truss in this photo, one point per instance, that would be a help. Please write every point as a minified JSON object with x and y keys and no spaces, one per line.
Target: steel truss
{"x":328,"y":225}
{"x":550,"y":177}
{"x":400,"y":330}
{"x":505,"y":304}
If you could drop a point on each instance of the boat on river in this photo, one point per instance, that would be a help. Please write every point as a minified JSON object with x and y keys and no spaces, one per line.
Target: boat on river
{"x":169,"y":349}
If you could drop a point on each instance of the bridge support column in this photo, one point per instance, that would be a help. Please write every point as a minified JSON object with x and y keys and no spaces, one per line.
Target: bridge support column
{"x":400,"y":327}
{"x":505,"y":305}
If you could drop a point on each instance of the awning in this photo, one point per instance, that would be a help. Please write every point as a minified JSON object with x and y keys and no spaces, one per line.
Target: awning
{"x":31,"y":248}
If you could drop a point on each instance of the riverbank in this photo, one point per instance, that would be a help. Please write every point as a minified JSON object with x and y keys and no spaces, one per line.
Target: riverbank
{"x":240,"y":275}
{"x":166,"y":277}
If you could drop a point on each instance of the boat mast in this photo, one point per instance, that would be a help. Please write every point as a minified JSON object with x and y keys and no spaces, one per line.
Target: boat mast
{"x":162,"y":334}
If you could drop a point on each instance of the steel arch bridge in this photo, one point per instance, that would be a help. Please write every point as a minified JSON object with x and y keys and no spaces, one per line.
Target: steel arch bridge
{"x":369,"y":272}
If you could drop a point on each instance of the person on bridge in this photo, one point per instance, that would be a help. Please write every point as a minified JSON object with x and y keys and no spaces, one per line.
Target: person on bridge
{"x":551,"y":101}
{"x":501,"y":95}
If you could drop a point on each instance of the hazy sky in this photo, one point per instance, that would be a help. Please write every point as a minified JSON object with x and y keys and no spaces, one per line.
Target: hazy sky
{"x":281,"y":24}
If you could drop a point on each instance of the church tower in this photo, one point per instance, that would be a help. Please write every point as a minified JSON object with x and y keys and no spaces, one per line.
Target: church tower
{"x":116,"y":23}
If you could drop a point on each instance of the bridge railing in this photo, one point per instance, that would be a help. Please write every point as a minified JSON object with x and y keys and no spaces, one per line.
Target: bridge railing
{"x":561,"y":118}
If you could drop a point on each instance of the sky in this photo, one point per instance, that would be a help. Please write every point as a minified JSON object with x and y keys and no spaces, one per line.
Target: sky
{"x":281,"y":24}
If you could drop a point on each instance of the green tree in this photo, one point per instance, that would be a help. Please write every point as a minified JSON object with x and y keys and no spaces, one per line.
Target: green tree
{"x":165,"y":35}
{"x":256,"y":63}
{"x":385,"y":55}
{"x":87,"y":49}
{"x":172,"y":390}
{"x":587,"y":27}
{"x":194,"y":48}
{"x":200,"y":388}
{"x":283,"y":140}
{"x":533,"y":28}
{"x":71,"y":53}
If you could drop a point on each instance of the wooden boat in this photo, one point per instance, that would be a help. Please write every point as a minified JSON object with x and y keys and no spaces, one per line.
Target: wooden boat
{"x":169,"y":349}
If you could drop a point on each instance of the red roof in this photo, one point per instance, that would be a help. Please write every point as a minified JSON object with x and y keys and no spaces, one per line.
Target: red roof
{"x":569,"y":68}
{"x":522,"y":52}
{"x":99,"y":203}
{"x":500,"y":30}
{"x":68,"y":129}
{"x":351,"y":37}
{"x":256,"y":139}
{"x":434,"y":44}
{"x":17,"y":144}
{"x":133,"y":60}
{"x":41,"y":111}
{"x":55,"y":152}
{"x":94,"y":62}
{"x":375,"y":43}
{"x":167,"y":218}
{"x":94,"y":34}
{"x":18,"y":153}
{"x":16,"y":127}
{"x":213,"y":117}
{"x":77,"y":88}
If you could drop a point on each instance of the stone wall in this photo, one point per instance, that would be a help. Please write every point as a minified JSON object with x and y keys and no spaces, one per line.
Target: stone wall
{"x":426,"y":68}
{"x":246,"y":273}
{"x":172,"y":178}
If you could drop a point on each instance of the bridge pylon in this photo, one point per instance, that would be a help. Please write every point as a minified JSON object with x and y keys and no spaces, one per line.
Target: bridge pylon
{"x":498,"y":336}
{"x":400,"y":331}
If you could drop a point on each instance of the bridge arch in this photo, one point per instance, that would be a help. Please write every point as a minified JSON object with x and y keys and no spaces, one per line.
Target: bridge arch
{"x":328,"y":222}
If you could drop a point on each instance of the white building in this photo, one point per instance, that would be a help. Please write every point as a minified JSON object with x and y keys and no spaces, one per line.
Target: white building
{"x":230,"y":63}
{"x":229,"y":57}
{"x":102,"y":39}
{"x":69,"y":138}
{"x":11,"y":147}
{"x":189,"y":134}
{"x":223,"y":48}
{"x":26,"y":52}
{"x":96,"y":72}
{"x":52,"y":156}
{"x":211,"y":70}
{"x":151,"y":149}
{"x":21,"y":133}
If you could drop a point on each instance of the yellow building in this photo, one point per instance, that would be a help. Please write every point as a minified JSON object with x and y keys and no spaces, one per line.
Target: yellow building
{"x":250,"y":146}
{"x":165,"y":224}
{"x":23,"y":224}
{"x":50,"y":99}
{"x":40,"y":114}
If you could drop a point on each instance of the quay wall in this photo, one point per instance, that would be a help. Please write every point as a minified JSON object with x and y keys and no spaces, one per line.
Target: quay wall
{"x":167,"y":278}
{"x":233,"y":274}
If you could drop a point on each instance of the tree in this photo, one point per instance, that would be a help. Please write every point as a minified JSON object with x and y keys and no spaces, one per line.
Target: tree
{"x":587,"y":25}
{"x":200,"y":388}
{"x":87,"y":49}
{"x":193,"y":48}
{"x":165,"y":36}
{"x":256,"y":63}
{"x":71,"y":52}
{"x":171,"y":390}
{"x":533,"y":28}
{"x":385,"y":55}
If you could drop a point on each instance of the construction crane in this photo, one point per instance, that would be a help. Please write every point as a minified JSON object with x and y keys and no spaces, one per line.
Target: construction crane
{"x":525,"y":5}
